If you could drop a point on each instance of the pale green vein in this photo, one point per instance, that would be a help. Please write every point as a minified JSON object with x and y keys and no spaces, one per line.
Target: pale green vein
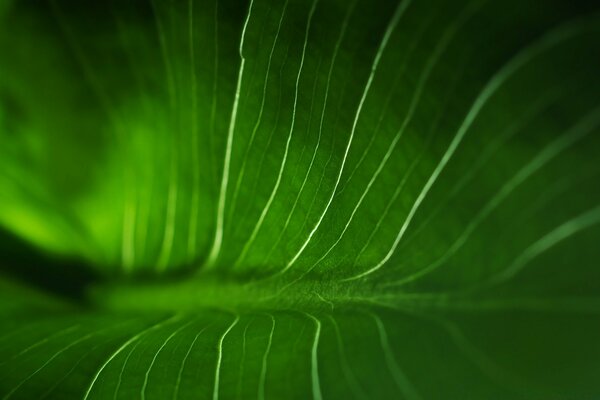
{"x":264,"y":154}
{"x":357,"y":390}
{"x":326,"y":97}
{"x":263,"y":370}
{"x":316,"y":385}
{"x":434,"y":127}
{"x":551,"y":239}
{"x":68,"y":374}
{"x":545,"y":100}
{"x":325,"y":301}
{"x":220,"y":357}
{"x":529,"y":53}
{"x":402,"y":382}
{"x":414,"y":44}
{"x":218,"y":237}
{"x":287,"y":144}
{"x":183,"y":362}
{"x":289,"y":217}
{"x":242,"y":362}
{"x":389,"y":30}
{"x":258,"y":122}
{"x":160,"y":349}
{"x":57,"y":354}
{"x":41,"y":342}
{"x":45,"y":364}
{"x":123,"y":347}
{"x":552,"y":150}
{"x":19,"y":330}
{"x":122,"y":371}
{"x":320,"y":185}
{"x":447,"y":38}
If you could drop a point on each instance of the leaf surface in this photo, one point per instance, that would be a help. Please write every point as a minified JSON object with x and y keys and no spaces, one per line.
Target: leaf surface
{"x":299,"y":199}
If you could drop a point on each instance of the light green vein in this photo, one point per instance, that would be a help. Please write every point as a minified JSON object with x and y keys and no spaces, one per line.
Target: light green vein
{"x":220,"y":357}
{"x":258,"y":122}
{"x":314,"y":357}
{"x":402,"y":382}
{"x":183,"y":362}
{"x":552,"y":150}
{"x":160,"y":349}
{"x":263,"y":370}
{"x":123,"y":347}
{"x":218,"y":237}
{"x":522,"y":58}
{"x":386,"y":37}
{"x":287,"y":144}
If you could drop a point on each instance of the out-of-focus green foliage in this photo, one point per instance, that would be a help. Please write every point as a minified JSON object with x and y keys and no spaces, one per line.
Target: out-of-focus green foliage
{"x":299,"y":199}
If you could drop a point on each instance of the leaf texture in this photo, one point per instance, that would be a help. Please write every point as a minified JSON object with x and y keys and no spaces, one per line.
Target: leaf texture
{"x":299,"y":199}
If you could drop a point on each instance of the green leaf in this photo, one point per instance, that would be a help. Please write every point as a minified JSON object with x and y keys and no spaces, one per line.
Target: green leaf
{"x":299,"y":199}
